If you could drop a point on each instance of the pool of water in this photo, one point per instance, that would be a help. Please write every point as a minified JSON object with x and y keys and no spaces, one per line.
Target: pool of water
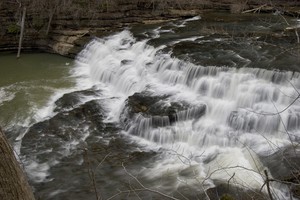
{"x":27,"y":85}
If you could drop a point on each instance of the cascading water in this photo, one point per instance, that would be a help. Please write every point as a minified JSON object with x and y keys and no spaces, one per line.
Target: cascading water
{"x":148,"y":102}
{"x":231,"y":117}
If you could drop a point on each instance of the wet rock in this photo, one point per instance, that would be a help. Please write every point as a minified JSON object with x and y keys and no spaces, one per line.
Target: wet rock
{"x":72,"y":130}
{"x":73,"y":99}
{"x":117,"y":144}
{"x":144,"y":104}
{"x":141,"y":155}
{"x":293,"y":180}
{"x":145,"y":111}
{"x":104,"y":156}
{"x":124,"y":151}
{"x":230,"y":192}
{"x":126,"y":62}
{"x":158,"y":110}
{"x":64,"y":131}
{"x":289,"y":158}
{"x":284,"y":165}
{"x":74,"y":142}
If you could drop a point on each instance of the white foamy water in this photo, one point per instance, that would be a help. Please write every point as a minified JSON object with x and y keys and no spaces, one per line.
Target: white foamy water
{"x":5,"y":96}
{"x":184,"y":22}
{"x":191,"y":39}
{"x":248,"y":112}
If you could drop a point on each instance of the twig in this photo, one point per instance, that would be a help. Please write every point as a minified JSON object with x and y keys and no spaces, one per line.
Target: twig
{"x":92,"y":175}
{"x":182,"y":195}
{"x":289,"y":50}
{"x":232,"y":167}
{"x":126,"y":192}
{"x":103,"y":160}
{"x":181,"y":155}
{"x":255,"y":9}
{"x":293,"y":86}
{"x":145,"y":188}
{"x":207,"y":196}
{"x":229,"y":180}
{"x":284,"y":126}
{"x":136,"y":194}
{"x":278,"y":112}
{"x":296,"y":32}
{"x":268,"y":184}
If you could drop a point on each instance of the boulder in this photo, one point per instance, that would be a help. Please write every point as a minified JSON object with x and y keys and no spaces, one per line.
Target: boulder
{"x":63,"y":129}
{"x":151,"y":111}
{"x":71,"y":100}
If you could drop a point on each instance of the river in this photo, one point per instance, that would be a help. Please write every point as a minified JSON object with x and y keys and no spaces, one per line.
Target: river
{"x":177,"y":108}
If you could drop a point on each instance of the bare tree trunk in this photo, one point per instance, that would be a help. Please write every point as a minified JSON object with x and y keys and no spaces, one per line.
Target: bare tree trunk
{"x":22,"y":32}
{"x":106,"y":6}
{"x":13,"y":183}
{"x":49,"y":22}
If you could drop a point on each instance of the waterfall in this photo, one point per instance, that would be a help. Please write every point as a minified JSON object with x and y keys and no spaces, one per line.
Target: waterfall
{"x":249,"y":112}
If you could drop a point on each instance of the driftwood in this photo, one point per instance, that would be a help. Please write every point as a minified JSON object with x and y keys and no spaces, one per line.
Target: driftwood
{"x":254,"y":10}
{"x":13,"y":182}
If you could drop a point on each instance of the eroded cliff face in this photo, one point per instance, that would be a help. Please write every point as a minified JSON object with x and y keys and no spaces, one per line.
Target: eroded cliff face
{"x":63,"y":27}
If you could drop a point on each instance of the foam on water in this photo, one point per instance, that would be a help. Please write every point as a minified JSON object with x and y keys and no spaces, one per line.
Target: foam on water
{"x":157,"y":32}
{"x":5,"y":96}
{"x":37,"y":172}
{"x":240,"y":117}
{"x":191,"y":39}
{"x":184,"y":22}
{"x":193,"y":18}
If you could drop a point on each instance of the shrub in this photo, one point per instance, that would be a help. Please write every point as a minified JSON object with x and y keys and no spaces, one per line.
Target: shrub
{"x":226,"y":197}
{"x":13,"y":29}
{"x":37,"y":23}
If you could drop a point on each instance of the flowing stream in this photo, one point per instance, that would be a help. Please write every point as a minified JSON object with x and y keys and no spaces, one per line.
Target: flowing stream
{"x":199,"y":124}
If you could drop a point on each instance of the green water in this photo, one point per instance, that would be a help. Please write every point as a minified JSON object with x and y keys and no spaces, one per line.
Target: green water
{"x":27,"y":84}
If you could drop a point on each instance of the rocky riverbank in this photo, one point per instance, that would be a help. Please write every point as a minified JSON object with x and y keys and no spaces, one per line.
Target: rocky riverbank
{"x":64,"y":28}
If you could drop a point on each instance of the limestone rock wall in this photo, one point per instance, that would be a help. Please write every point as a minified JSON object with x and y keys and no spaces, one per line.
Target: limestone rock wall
{"x":73,"y":22}
{"x":73,"y":25}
